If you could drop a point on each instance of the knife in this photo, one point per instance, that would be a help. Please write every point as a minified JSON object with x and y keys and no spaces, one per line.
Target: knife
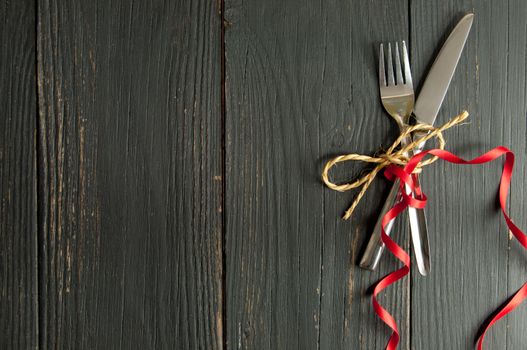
{"x":425,"y":111}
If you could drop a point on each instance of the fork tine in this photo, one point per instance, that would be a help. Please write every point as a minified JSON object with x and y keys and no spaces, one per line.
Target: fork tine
{"x":406,"y":62}
{"x":382,"y":74}
{"x":391,"y":80}
{"x":398,"y":70}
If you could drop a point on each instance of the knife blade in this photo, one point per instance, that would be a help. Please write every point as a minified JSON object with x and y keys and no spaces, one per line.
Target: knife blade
{"x":425,"y":111}
{"x":436,"y":84}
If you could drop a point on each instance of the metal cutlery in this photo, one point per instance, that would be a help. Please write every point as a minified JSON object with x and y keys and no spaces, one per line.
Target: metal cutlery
{"x":425,"y":111}
{"x":397,"y":97}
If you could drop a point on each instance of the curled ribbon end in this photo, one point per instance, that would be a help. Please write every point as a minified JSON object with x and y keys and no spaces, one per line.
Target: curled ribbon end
{"x":393,"y":157}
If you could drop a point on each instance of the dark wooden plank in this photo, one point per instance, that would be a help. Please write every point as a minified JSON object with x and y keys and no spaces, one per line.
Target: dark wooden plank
{"x":516,"y":35}
{"x":301,"y":86}
{"x":468,"y":236}
{"x":18,"y":215}
{"x":131,"y":176}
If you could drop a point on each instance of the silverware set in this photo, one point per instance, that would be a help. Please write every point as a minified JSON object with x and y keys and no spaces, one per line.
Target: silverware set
{"x":397,"y":97}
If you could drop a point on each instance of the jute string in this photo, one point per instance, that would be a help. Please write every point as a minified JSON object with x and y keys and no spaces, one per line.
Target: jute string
{"x":393,"y":155}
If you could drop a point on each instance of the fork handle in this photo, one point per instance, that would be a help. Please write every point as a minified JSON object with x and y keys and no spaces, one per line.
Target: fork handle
{"x":372,"y":254}
{"x":375,"y":248}
{"x":418,"y":229}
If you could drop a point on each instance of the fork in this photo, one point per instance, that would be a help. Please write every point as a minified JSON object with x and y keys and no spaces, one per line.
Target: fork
{"x":397,"y":96}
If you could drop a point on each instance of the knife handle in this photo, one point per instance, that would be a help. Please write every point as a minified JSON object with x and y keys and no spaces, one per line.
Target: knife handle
{"x":418,"y":229}
{"x":419,"y":232}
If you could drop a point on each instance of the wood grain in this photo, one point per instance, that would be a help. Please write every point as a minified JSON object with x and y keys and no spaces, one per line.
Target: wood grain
{"x":18,"y":210}
{"x":516,"y":113}
{"x":130,"y":174}
{"x":160,"y":174}
{"x":471,"y":268}
{"x":301,"y":86}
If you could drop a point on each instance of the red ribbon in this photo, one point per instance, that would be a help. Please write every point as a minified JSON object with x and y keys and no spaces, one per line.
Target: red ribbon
{"x":405,"y":175}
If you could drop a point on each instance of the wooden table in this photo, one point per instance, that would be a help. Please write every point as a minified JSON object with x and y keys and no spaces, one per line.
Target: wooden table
{"x":160,"y":174}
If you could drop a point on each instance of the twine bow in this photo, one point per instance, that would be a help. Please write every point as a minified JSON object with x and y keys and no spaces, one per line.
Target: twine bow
{"x":393,"y":155}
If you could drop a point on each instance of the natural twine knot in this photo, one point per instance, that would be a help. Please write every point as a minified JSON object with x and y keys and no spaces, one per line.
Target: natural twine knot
{"x":391,"y":156}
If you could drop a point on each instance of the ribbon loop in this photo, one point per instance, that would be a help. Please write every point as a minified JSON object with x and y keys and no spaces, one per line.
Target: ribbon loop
{"x":397,"y":166}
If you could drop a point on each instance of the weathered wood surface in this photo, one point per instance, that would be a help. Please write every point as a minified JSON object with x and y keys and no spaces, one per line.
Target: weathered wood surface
{"x":160,"y":174}
{"x":130,"y":170}
{"x":301,"y":86}
{"x":516,"y":109}
{"x":18,"y":215}
{"x":475,"y":266}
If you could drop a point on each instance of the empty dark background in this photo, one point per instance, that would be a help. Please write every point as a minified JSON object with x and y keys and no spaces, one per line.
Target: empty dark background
{"x":160,"y":174}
